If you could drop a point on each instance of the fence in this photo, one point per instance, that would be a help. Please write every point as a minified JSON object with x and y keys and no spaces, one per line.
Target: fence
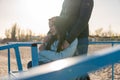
{"x":112,"y":44}
{"x":72,"y":67}
{"x":15,"y":46}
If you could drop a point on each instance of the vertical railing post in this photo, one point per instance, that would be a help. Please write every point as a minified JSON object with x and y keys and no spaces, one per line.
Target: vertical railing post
{"x":112,"y":71}
{"x":112,"y":66}
{"x":17,"y":54}
{"x":34,"y":54}
{"x":9,"y":68}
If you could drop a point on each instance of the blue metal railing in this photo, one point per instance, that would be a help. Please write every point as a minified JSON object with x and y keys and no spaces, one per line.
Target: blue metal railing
{"x":112,"y":44}
{"x":35,"y":52}
{"x":72,"y":67}
{"x":15,"y":46}
{"x":105,"y":42}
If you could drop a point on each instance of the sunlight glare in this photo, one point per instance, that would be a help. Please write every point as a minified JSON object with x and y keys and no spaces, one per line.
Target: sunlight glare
{"x":58,"y":65}
{"x":35,"y":14}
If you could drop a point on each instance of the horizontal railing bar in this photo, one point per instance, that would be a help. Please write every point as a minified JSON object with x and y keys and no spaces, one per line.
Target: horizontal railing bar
{"x":25,"y":42}
{"x":19,"y":44}
{"x":7,"y":46}
{"x":105,"y":42}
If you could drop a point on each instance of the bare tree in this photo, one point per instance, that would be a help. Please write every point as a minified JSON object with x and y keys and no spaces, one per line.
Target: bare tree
{"x":110,"y":33}
{"x":22,"y":35}
{"x":7,"y":33}
{"x":98,"y":31}
{"x":17,"y":34}
{"x":13,"y":32}
{"x":28,"y":35}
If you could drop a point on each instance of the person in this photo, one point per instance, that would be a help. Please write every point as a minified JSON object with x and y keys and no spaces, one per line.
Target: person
{"x":55,"y":49}
{"x":77,"y":14}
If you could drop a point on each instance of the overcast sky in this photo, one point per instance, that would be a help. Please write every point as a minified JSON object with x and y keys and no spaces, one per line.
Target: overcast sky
{"x":34,"y":14}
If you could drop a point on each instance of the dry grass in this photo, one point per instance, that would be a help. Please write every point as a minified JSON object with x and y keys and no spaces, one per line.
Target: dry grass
{"x":101,"y":74}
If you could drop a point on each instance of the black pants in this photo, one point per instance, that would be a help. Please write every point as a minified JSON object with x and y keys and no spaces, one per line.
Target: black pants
{"x":82,"y":49}
{"x":84,"y":77}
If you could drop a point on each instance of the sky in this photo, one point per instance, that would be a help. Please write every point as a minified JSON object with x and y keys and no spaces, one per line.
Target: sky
{"x":34,"y":14}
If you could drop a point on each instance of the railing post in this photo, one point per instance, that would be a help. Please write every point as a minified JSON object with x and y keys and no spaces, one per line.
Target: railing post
{"x":112,"y":66}
{"x":9,"y":68}
{"x":19,"y":64}
{"x":112,"y":71}
{"x":34,"y":54}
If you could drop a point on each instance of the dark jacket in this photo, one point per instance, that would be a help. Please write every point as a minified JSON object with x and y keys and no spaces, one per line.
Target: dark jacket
{"x":77,"y":14}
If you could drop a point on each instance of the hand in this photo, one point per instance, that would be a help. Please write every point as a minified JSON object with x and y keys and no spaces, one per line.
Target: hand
{"x":41,"y":47}
{"x":47,"y":38}
{"x":65,"y":45}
